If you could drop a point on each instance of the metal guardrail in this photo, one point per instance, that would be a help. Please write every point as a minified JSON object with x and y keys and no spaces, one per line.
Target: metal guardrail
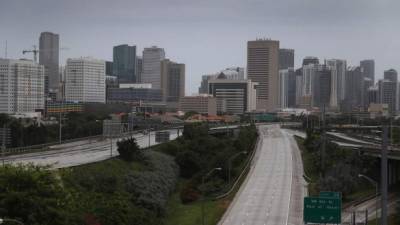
{"x":245,"y":170}
{"x":47,"y":146}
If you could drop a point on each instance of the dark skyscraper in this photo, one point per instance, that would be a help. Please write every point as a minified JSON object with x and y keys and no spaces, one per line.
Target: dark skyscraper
{"x":49,"y":58}
{"x":139,"y":69}
{"x":322,"y":86}
{"x":368,"y":69}
{"x":286,"y":58}
{"x":310,"y":60}
{"x":124,"y":63}
{"x":354,"y":81}
{"x":109,"y":68}
{"x":390,"y":75}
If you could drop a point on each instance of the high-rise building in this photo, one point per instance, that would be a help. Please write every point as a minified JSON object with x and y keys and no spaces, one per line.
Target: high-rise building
{"x":203,"y":89}
{"x":109,"y":68}
{"x":338,"y":82}
{"x":139,"y":69}
{"x":368,"y":69}
{"x":388,"y":94}
{"x":233,"y":96}
{"x":287,"y":88}
{"x":85,"y":80}
{"x":310,"y":60}
{"x":286,"y":58}
{"x":299,"y":86}
{"x":353,"y":99}
{"x":21,"y":86}
{"x":172,"y":82}
{"x":309,"y":71}
{"x":390,"y":75}
{"x":263,"y":68}
{"x":365,"y":87}
{"x":124,"y":63}
{"x":49,"y":45}
{"x":373,"y":94}
{"x":322,"y":82}
{"x":152,"y":58}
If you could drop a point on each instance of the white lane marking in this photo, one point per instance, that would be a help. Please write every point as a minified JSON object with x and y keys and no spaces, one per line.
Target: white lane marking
{"x":291,"y":180}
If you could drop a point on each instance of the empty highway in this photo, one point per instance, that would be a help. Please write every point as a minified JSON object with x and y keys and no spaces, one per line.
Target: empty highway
{"x":80,"y":152}
{"x":274,"y":188}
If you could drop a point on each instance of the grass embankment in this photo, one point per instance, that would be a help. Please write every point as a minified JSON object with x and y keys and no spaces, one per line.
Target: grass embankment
{"x":189,"y":214}
{"x":391,"y":221}
{"x":117,"y":191}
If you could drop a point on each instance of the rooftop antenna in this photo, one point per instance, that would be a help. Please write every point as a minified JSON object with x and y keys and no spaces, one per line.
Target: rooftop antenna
{"x":5,"y":53}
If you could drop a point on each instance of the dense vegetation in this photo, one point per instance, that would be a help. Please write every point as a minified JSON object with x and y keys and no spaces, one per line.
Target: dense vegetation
{"x":133,"y":189}
{"x":33,"y":195}
{"x":341,"y":169}
{"x":76,"y":125}
{"x":113,"y":192}
{"x":197,"y":152}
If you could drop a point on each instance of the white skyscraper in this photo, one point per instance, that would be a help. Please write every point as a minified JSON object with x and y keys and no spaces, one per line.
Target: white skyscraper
{"x":308,"y":78}
{"x":338,"y":82}
{"x":21,"y":86}
{"x":283,"y":99}
{"x":85,"y":80}
{"x":151,"y":73}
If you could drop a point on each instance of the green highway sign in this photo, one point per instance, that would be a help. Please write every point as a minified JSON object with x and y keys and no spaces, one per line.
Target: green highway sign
{"x":329,"y":194}
{"x":322,"y":210}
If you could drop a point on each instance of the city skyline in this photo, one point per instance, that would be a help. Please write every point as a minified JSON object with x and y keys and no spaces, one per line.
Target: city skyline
{"x":186,"y":38}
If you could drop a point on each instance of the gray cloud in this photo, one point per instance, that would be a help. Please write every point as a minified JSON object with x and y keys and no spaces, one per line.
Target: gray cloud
{"x":209,"y":35}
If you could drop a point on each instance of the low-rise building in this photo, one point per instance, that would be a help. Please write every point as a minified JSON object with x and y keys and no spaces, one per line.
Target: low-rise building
{"x":203,"y":104}
{"x":233,"y":96}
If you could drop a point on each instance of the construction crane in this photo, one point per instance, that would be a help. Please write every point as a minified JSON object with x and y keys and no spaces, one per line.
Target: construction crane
{"x":36,"y":51}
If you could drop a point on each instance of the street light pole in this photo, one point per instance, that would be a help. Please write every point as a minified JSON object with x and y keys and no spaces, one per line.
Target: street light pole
{"x":376,"y":191}
{"x":230,"y":164}
{"x":384,"y":175}
{"x":202,"y":191}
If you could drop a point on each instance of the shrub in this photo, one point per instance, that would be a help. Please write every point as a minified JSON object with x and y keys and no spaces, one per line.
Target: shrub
{"x":189,"y":163}
{"x":31,"y":194}
{"x":189,"y":193}
{"x":129,"y":150}
{"x":151,"y":189}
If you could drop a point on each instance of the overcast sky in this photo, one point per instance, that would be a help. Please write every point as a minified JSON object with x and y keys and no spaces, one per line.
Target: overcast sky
{"x":208,"y":35}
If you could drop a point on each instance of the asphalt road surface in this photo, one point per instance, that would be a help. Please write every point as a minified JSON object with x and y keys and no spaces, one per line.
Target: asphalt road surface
{"x":80,"y":152}
{"x":274,"y":189}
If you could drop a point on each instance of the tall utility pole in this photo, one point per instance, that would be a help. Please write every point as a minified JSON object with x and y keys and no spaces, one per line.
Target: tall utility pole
{"x":3,"y":144}
{"x":384,"y":175}
{"x":6,"y":50}
{"x":60,"y":122}
{"x":323,"y":142}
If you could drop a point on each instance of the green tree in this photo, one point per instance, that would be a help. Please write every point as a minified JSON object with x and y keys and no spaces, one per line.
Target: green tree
{"x":195,"y":130}
{"x":32,"y":195}
{"x":189,"y":163}
{"x":129,"y":150}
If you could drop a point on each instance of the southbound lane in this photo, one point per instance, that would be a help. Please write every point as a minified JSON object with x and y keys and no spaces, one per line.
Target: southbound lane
{"x":265,"y":196}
